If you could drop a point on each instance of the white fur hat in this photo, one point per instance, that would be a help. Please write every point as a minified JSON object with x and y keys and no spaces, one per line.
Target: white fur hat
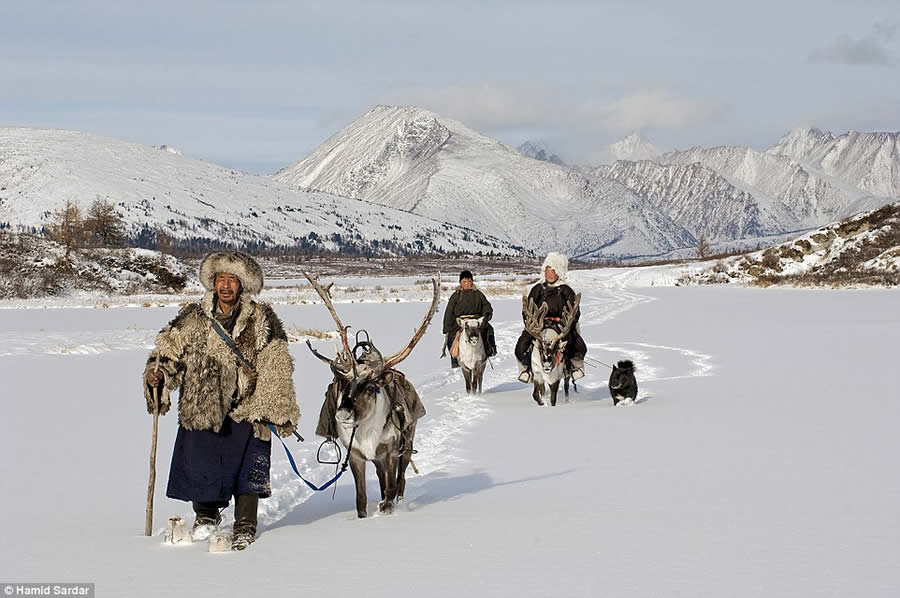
{"x":232,"y":262}
{"x":558,"y":262}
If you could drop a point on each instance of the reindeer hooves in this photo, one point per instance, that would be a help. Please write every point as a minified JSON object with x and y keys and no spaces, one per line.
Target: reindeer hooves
{"x":386,"y":507}
{"x":361,"y":514}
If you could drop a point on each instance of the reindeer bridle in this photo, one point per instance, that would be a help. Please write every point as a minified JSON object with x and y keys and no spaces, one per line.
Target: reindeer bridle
{"x":345,"y":365}
{"x":536,"y":321}
{"x":471,"y":333}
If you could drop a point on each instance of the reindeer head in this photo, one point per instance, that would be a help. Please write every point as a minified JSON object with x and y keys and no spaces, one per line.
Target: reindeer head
{"x":549,"y":338}
{"x":361,"y":373}
{"x":471,"y":329}
{"x":358,"y":388}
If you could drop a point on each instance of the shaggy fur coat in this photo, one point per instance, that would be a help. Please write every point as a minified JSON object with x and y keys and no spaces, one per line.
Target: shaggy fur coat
{"x":194,"y":360}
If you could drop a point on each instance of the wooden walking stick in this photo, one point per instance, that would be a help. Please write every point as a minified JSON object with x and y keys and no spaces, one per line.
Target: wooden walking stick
{"x":151,"y":486}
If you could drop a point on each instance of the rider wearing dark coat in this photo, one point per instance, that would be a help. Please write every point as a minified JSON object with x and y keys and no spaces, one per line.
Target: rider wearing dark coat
{"x":467,"y":301}
{"x":556,"y":294}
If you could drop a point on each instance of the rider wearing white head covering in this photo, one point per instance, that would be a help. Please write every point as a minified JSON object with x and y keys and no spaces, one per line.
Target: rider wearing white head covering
{"x":559,"y":264}
{"x":554,"y":290}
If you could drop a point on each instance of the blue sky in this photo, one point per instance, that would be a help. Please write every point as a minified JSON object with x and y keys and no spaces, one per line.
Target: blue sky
{"x":256,"y":86}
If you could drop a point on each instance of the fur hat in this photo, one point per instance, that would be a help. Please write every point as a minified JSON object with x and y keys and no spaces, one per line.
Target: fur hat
{"x":559,"y":263}
{"x":464,"y":275}
{"x":232,"y":262}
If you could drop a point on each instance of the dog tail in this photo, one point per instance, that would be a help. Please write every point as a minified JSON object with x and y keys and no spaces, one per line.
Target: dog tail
{"x":625,"y":364}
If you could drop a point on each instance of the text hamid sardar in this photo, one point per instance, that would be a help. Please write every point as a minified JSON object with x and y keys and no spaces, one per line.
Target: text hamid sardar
{"x":48,"y":590}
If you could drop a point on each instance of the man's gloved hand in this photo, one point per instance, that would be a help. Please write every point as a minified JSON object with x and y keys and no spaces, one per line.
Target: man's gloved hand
{"x":155,"y":379}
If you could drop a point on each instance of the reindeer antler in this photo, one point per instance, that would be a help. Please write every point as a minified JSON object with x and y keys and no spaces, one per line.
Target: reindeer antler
{"x":325,"y":294}
{"x":396,"y":358}
{"x":568,"y":317}
{"x":317,"y":354}
{"x":534,"y":316}
{"x":347,"y":355}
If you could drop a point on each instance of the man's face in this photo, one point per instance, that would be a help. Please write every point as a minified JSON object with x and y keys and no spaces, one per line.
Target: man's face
{"x":228,"y":288}
{"x":466,"y":284}
{"x":550,"y":275}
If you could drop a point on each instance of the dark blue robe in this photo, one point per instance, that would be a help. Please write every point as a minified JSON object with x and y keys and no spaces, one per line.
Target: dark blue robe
{"x":212,"y":467}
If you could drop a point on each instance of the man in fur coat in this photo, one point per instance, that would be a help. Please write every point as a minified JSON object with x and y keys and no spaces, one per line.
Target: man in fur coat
{"x":468,"y":302}
{"x":225,"y":401}
{"x":553,"y":290}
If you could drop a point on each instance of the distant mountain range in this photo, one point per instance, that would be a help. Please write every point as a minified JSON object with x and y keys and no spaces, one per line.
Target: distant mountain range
{"x":41,"y":169}
{"x":416,"y":160}
{"x":536,"y":150}
{"x":633,"y":147}
{"x":403,"y":180}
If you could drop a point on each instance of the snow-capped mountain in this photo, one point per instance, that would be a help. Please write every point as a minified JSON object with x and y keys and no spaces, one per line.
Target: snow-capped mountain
{"x":634,"y":147}
{"x":806,"y":180}
{"x":697,"y":198}
{"x":869,"y":161}
{"x":415,"y":160}
{"x":41,"y":169}
{"x":798,"y":197}
{"x":538,"y":151}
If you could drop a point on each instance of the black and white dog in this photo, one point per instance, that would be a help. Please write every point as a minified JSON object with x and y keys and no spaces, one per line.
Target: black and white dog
{"x":622,"y":384}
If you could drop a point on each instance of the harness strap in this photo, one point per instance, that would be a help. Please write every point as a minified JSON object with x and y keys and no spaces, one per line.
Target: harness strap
{"x":240,"y":356}
{"x":231,"y":344}
{"x":312,"y":486}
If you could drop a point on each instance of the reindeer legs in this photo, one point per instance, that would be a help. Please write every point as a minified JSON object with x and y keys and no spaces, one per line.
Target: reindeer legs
{"x":467,"y":374}
{"x":358,"y":467}
{"x":554,"y":388}
{"x":382,"y":479}
{"x":386,"y":465}
{"x":538,"y":393}
{"x":404,"y":460}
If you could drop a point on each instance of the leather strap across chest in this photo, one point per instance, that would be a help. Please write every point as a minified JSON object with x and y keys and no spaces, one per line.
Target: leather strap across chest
{"x":231,"y":344}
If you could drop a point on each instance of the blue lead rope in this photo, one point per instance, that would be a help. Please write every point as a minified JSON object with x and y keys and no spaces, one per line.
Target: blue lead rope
{"x":312,"y":486}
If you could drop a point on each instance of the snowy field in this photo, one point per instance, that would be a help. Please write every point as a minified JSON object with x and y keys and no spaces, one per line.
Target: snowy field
{"x":759,"y":461}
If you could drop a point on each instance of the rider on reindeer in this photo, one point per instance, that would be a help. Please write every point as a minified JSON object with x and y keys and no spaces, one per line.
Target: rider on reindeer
{"x":556,"y":293}
{"x":468,"y":302}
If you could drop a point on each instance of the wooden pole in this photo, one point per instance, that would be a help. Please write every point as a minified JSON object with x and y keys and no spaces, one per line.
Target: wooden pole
{"x":151,"y":486}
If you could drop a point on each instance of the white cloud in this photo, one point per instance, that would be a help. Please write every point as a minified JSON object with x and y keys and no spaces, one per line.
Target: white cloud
{"x":869,"y":50}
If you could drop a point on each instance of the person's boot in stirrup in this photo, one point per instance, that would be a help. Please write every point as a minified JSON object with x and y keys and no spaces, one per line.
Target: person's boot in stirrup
{"x":524,"y":373}
{"x":576,"y":368}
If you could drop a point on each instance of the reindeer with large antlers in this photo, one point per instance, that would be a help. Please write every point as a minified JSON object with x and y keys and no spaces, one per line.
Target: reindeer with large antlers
{"x":372,"y":407}
{"x":548,"y":363}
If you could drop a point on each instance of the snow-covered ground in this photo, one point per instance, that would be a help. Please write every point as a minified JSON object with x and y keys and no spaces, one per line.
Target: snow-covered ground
{"x":757,"y":462}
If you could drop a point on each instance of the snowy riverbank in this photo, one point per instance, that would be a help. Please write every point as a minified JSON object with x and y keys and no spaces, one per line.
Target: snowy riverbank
{"x":756,"y":463}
